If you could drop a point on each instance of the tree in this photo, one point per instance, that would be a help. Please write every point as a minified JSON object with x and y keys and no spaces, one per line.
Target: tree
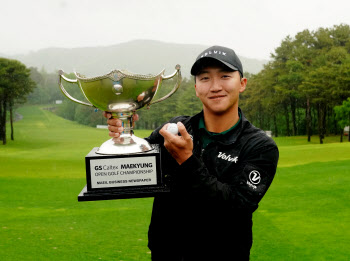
{"x":328,"y":83}
{"x":343,"y":116}
{"x":310,"y":72}
{"x":15,"y":84}
{"x":46,"y":90}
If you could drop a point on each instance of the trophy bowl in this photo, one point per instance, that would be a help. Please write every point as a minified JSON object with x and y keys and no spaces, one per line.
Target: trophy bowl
{"x":121,"y":93}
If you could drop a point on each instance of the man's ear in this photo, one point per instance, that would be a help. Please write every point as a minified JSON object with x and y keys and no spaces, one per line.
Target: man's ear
{"x":243,"y":84}
{"x":195,"y":87}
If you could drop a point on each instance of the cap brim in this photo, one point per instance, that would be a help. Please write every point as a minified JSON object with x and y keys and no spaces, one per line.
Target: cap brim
{"x":197,"y":65}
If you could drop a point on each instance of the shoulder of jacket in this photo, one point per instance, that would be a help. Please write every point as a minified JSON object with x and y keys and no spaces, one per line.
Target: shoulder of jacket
{"x":258,"y":137}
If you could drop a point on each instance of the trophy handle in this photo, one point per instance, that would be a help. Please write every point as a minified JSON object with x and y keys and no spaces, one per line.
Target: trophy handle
{"x":177,"y":84}
{"x":61,"y":76}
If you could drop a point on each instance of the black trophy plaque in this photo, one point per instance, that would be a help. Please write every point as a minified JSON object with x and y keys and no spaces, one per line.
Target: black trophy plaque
{"x":123,"y":176}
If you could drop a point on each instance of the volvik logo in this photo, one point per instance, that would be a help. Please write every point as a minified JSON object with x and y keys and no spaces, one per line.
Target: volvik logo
{"x":254,"y":177}
{"x":223,"y":156}
{"x":213,"y":52}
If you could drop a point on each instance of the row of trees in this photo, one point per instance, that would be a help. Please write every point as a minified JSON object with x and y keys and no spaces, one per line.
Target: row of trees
{"x":295,"y":94}
{"x":303,"y":90}
{"x":308,"y":76}
{"x":15,"y":84}
{"x":46,"y":91}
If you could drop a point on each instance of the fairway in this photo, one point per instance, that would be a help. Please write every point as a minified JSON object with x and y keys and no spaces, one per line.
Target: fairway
{"x":304,"y":215}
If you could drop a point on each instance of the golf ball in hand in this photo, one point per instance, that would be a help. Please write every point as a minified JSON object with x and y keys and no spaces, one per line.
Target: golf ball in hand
{"x":172,"y":128}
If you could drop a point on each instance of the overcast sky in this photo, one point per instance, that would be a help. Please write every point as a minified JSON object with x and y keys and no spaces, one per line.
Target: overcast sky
{"x":253,"y":28}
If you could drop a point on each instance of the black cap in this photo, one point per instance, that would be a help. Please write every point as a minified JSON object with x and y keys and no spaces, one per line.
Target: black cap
{"x":225,"y":55}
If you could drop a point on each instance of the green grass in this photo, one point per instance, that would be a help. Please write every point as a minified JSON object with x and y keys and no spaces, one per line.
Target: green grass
{"x":41,"y":174}
{"x":304,"y":215}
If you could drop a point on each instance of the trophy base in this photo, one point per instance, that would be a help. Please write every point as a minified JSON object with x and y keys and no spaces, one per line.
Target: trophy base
{"x":126,"y":144}
{"x":86,"y":195}
{"x":137,"y":175}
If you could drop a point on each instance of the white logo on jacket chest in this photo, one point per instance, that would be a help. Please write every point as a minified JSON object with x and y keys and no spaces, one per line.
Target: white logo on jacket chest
{"x":223,"y":156}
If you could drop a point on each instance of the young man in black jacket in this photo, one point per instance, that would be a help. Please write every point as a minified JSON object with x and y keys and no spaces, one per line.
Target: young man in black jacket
{"x":218,"y":169}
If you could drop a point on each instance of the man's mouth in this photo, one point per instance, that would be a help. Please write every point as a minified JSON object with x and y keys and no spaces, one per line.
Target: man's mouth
{"x":216,"y":97}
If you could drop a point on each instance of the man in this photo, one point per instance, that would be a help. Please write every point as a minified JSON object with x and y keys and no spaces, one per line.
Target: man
{"x":218,"y":168}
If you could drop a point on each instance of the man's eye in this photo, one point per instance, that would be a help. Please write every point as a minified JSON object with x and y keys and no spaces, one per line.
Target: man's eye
{"x":225,"y":76}
{"x":204,"y":78}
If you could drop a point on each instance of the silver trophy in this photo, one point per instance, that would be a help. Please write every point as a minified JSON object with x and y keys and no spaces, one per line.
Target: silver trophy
{"x":121,"y":93}
{"x":129,"y":166}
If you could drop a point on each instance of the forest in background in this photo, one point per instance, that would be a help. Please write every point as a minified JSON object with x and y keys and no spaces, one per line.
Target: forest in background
{"x":303,"y":90}
{"x":307,"y":78}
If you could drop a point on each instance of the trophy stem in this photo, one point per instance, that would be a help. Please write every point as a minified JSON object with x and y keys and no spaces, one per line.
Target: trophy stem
{"x":127,"y":122}
{"x":127,"y":143}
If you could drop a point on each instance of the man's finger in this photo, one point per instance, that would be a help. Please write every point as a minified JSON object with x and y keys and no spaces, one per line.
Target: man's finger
{"x":135,"y":117}
{"x":107,"y":114}
{"x":115,"y":128}
{"x":114,"y":122}
{"x":114,"y":134}
{"x":167,"y":135}
{"x":183,"y":131}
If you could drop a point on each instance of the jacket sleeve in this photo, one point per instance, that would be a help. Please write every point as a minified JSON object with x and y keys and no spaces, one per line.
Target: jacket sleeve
{"x":246,"y":184}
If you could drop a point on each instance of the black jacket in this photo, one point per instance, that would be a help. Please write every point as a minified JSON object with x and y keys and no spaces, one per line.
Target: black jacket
{"x":213,"y":194}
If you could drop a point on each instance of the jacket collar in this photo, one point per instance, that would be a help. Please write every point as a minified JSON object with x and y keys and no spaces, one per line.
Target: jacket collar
{"x":192,"y":124}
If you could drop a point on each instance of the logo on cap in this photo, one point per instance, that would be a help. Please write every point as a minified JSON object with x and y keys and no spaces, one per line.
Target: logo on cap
{"x":213,"y":52}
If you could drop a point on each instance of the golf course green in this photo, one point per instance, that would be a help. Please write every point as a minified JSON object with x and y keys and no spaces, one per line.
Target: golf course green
{"x":304,"y":216}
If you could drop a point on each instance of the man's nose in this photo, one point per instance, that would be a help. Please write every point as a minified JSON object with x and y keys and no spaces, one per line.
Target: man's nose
{"x":215,"y":85}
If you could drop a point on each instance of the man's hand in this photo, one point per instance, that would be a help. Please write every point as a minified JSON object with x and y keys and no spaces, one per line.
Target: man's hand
{"x":180,"y":147}
{"x":115,"y":125}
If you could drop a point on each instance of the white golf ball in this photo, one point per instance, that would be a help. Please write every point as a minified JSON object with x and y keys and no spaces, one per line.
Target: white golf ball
{"x":172,"y":128}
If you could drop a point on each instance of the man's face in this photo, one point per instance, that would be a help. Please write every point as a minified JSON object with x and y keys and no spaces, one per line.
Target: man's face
{"x":219,"y":89}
